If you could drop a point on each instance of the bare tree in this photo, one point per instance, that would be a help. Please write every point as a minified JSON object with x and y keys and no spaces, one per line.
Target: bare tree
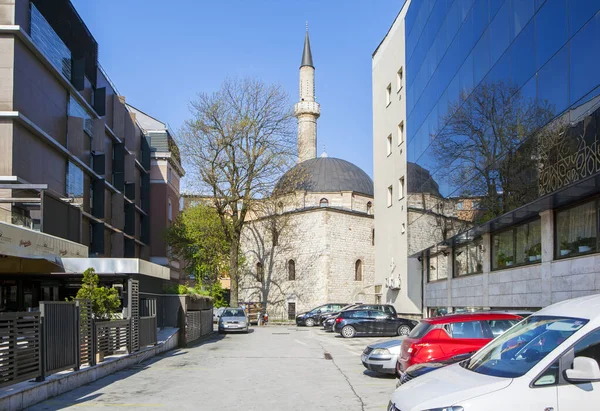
{"x":485,"y":144}
{"x":236,"y":145}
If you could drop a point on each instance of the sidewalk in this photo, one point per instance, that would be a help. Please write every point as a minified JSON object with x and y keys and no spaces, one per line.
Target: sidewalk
{"x":27,"y":393}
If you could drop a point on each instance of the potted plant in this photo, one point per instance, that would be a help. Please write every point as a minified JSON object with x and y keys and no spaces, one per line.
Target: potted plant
{"x":565,"y":248}
{"x":503,"y":260}
{"x":535,"y":252}
{"x":585,"y":244}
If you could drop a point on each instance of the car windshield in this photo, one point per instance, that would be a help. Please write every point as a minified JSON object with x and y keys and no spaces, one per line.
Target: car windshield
{"x":233,"y":313}
{"x":515,"y":352}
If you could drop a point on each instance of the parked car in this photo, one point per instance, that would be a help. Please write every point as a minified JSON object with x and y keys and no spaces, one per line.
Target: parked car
{"x":441,"y":338}
{"x":371,"y":322}
{"x":381,"y":357}
{"x":417,"y":370}
{"x":387,"y":308}
{"x":330,"y":319}
{"x":233,"y":319}
{"x":549,"y":361}
{"x":314,"y":316}
{"x":217,"y":313}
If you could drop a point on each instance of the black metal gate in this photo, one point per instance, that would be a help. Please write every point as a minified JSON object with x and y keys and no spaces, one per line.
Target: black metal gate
{"x":60,"y":336}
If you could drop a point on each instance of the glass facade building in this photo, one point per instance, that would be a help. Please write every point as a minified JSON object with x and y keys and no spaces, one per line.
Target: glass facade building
{"x":529,"y":64}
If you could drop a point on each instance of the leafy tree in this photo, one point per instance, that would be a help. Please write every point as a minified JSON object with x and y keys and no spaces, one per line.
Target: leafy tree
{"x":237,"y":144}
{"x":197,"y":237}
{"x":105,"y":301}
{"x":487,"y":147}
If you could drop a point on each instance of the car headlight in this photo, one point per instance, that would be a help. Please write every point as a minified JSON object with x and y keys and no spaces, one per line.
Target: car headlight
{"x":452,"y":408}
{"x":380,"y":351}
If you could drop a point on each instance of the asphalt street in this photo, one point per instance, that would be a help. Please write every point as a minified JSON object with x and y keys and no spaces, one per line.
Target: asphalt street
{"x":272,"y":367}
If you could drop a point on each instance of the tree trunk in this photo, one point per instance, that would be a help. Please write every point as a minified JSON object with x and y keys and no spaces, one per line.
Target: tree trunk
{"x":233,"y":271}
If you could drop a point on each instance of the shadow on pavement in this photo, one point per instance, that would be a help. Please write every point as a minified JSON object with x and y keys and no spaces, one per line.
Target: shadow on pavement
{"x":379,"y":376}
{"x":84,"y":393}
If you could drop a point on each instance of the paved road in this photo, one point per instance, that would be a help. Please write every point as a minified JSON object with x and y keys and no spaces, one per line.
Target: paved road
{"x":271,"y":368}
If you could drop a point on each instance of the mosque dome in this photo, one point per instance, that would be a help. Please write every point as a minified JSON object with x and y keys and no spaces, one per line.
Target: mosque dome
{"x":326,"y":175}
{"x":420,"y":180}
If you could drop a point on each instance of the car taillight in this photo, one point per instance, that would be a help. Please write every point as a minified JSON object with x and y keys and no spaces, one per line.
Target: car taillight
{"x":338,"y":320}
{"x":414,"y":348}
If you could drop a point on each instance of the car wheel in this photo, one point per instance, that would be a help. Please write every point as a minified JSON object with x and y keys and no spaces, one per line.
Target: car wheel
{"x":348,"y":331}
{"x":310,"y":322}
{"x":403,"y":330}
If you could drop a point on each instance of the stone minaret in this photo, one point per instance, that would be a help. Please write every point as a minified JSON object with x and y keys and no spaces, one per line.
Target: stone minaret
{"x":307,"y":110}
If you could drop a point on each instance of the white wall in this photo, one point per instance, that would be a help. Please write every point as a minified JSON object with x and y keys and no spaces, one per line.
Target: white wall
{"x":391,"y":256}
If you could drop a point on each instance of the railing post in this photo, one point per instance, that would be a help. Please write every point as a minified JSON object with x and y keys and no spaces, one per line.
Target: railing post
{"x":94,"y":342}
{"x":77,"y":336}
{"x":43,"y":344}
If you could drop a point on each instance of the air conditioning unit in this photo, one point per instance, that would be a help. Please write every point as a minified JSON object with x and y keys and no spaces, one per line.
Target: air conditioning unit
{"x":394,"y":283}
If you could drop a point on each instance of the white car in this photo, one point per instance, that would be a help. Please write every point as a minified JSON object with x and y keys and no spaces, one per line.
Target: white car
{"x":382,"y":357}
{"x":547,"y":362}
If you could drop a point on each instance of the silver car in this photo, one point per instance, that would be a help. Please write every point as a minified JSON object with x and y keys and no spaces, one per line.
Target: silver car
{"x":233,"y":319}
{"x":381,"y":357}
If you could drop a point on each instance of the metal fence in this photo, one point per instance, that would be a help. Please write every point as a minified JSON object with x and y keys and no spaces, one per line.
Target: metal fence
{"x":198,"y":324}
{"x":60,"y":336}
{"x":113,"y":336}
{"x":148,"y":331}
{"x":87,"y":342}
{"x":20,"y":347}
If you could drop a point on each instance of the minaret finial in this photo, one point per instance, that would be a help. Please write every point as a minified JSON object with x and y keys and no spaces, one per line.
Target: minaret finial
{"x":307,"y":26}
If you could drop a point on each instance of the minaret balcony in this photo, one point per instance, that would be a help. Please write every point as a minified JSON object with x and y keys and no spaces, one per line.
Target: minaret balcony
{"x":307,"y":107}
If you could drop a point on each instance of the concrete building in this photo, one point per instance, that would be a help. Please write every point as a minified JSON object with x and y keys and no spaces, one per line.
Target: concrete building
{"x":75,"y":163}
{"x":314,"y":246}
{"x":534,"y":230}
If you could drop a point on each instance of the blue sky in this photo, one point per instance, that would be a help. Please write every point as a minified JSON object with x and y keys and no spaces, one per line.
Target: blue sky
{"x":160,"y":54}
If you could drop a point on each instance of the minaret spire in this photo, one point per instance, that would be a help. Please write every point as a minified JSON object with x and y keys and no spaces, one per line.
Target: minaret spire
{"x":307,"y":110}
{"x":306,"y":54}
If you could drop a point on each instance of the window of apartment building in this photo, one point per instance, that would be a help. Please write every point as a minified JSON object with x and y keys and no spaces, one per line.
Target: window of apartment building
{"x":169,"y":174}
{"x":74,"y":181}
{"x":358,"y":270}
{"x":437,"y":267}
{"x":518,"y":245}
{"x":291,"y":269}
{"x":49,"y":43}
{"x":372,"y":236}
{"x":389,"y":145}
{"x":388,"y":95}
{"x":390,"y":196}
{"x":401,"y":188}
{"x":76,"y":110}
{"x":400,"y":79}
{"x":468,"y":259}
{"x":459,"y":205}
{"x":577,"y":229}
{"x":401,"y":133}
{"x":170,"y":210}
{"x":324,"y":202}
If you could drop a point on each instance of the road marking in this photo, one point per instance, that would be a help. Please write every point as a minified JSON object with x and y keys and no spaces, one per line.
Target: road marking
{"x":90,"y":404}
{"x":300,"y":342}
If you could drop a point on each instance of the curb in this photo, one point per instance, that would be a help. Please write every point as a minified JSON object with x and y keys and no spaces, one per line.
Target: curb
{"x":29,"y":393}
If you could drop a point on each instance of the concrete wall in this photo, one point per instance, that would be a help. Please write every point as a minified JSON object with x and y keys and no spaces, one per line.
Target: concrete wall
{"x":391,"y":222}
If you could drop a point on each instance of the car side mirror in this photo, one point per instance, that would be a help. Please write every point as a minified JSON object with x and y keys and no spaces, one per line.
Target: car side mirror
{"x":584,"y":369}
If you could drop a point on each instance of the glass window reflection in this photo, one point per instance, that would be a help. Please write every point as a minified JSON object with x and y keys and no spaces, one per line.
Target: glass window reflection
{"x":553,"y":81}
{"x":550,"y":29}
{"x":584,"y":64}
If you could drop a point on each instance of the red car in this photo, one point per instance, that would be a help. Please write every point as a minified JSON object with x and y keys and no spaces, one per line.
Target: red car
{"x":441,"y":338}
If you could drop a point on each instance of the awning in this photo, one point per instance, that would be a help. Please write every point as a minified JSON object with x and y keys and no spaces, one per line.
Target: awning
{"x":29,"y":265}
{"x":115,"y":267}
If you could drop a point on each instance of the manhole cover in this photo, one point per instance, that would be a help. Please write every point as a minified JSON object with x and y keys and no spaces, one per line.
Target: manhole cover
{"x":328,"y":356}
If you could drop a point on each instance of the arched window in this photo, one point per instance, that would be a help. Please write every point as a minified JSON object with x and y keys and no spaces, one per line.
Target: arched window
{"x":280,"y":207}
{"x":369,"y":207}
{"x":260,"y":272}
{"x":291,"y":266}
{"x":358,"y":270}
{"x":324,"y":202}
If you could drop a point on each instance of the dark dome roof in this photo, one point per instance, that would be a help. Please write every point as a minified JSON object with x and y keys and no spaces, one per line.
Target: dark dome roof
{"x":327,"y":174}
{"x":420,"y":180}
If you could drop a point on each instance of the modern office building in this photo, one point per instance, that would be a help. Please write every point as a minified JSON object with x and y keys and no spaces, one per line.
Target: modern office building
{"x":75,"y":163}
{"x":165,"y":176}
{"x":501,"y":108}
